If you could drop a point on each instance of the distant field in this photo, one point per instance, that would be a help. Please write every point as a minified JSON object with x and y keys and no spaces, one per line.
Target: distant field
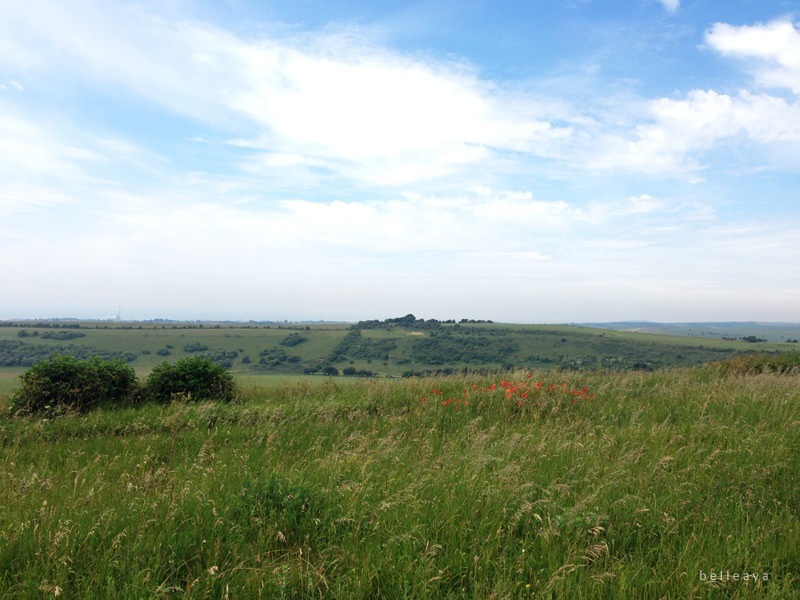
{"x":393,"y":348}
{"x":774,"y":332}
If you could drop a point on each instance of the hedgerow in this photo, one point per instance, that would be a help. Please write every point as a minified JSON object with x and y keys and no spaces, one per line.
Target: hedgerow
{"x":67,"y":383}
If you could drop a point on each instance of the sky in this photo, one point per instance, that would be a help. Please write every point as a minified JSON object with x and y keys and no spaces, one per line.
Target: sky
{"x":537,"y":161}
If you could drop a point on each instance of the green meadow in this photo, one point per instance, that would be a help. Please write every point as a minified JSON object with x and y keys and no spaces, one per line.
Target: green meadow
{"x":677,"y":483}
{"x":392,"y":348}
{"x":613,"y":465}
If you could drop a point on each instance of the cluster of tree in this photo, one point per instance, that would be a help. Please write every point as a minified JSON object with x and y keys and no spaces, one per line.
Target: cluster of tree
{"x":274,"y":357}
{"x":42,"y":325}
{"x":51,"y":335}
{"x":195,"y":347}
{"x":61,"y":335}
{"x":14,"y":353}
{"x":353,"y":372}
{"x":748,"y":338}
{"x":221,"y":357}
{"x":293,"y":339}
{"x":355,"y":346}
{"x":411,"y":322}
{"x":328,"y":370}
{"x":470,"y":346}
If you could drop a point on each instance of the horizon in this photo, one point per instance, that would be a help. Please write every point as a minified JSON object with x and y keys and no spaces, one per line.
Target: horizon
{"x":560,"y":162}
{"x":461,"y":320}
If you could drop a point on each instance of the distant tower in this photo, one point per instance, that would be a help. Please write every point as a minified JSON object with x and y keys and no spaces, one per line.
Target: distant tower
{"x":119,"y":313}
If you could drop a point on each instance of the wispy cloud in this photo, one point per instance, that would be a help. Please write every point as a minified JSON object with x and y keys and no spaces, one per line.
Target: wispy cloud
{"x":296,"y":166}
{"x":671,"y":5}
{"x":775,"y":45}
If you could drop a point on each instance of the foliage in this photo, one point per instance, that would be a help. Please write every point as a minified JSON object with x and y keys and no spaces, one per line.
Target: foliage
{"x":293,"y":339}
{"x":195,"y":347}
{"x":194,"y":378}
{"x":66,"y":383}
{"x":15,"y":353}
{"x":753,"y":339}
{"x":61,"y":335}
{"x":463,"y":346}
{"x":354,"y":345}
{"x":221,"y":357}
{"x":273,"y":357}
{"x":353,"y":372}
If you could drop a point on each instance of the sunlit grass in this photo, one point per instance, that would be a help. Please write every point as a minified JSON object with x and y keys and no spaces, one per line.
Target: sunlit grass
{"x":321,"y":489}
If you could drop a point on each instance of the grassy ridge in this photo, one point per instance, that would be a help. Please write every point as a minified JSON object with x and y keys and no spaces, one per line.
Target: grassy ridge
{"x":605,"y":485}
{"x":389,"y":350}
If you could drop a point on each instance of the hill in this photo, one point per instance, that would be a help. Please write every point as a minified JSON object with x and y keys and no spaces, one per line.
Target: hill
{"x":773,"y":332}
{"x":396,"y":347}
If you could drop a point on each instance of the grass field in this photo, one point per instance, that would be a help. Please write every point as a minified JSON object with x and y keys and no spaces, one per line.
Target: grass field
{"x":145,"y":345}
{"x":678,"y":483}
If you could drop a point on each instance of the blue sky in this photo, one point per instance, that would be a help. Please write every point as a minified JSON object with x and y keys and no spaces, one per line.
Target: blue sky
{"x":558,"y":161}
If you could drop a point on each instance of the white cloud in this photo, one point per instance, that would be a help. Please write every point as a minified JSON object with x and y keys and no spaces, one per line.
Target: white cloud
{"x":671,"y":5}
{"x":776,"y":45}
{"x":336,"y":104}
{"x":336,"y":100}
{"x":680,"y":130}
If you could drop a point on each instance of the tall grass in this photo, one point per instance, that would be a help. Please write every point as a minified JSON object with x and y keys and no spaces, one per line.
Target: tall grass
{"x":658,"y":485}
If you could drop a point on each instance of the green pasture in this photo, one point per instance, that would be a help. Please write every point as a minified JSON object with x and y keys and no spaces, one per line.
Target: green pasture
{"x":590,"y":484}
{"x":145,"y":345}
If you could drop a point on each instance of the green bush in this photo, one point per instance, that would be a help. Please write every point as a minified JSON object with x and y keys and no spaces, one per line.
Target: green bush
{"x":67,"y":383}
{"x":194,"y":378}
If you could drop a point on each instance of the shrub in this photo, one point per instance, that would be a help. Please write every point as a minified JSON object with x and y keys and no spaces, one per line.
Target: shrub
{"x":195,"y":347}
{"x":196,"y":378}
{"x":293,"y":339}
{"x":67,"y":383}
